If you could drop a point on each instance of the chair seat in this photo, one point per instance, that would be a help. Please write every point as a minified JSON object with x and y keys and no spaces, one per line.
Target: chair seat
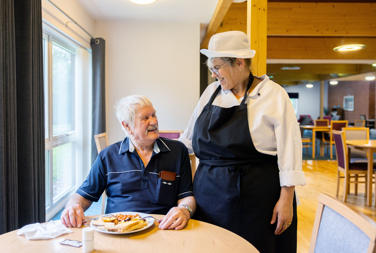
{"x":357,"y":153}
{"x":359,"y":166}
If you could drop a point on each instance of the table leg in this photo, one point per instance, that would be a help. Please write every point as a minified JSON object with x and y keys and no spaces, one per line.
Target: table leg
{"x":313,"y":143}
{"x":369,"y":176}
{"x":330,"y":144}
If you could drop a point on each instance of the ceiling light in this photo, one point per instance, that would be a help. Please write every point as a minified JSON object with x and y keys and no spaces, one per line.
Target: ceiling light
{"x":333,"y":82}
{"x":290,"y":68}
{"x":370,"y":78}
{"x":349,"y":47}
{"x":142,"y":1}
{"x":374,"y":65}
{"x":309,"y":85}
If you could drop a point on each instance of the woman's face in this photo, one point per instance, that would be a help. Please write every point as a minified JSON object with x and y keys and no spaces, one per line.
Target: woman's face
{"x":226,"y":74}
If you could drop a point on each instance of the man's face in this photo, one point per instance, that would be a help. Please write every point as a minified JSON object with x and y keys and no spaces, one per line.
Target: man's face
{"x":145,"y":130}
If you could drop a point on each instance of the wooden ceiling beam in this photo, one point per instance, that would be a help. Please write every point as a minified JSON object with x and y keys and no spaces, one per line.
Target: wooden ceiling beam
{"x":321,"y":19}
{"x":220,"y":11}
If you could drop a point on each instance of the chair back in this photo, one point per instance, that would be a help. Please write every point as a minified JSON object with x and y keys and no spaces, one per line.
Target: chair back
{"x":338,"y":228}
{"x":175,"y":134}
{"x":356,"y":133}
{"x":360,"y":123}
{"x":341,"y":148}
{"x":321,"y":122}
{"x":170,"y":134}
{"x":101,"y":141}
{"x":305,"y":119}
{"x":338,"y":124}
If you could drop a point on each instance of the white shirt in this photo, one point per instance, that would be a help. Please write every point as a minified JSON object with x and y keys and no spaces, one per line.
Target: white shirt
{"x":272,"y":125}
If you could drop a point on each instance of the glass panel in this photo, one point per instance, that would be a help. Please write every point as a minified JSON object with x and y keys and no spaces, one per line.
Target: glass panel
{"x":63,"y":89}
{"x":63,"y":170}
{"x":45,"y":81}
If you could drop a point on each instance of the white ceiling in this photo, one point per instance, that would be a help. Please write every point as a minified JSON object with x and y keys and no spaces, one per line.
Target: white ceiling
{"x":162,"y":10}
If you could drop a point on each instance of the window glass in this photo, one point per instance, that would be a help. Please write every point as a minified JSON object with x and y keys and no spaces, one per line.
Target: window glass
{"x":63,"y":89}
{"x":62,"y":175}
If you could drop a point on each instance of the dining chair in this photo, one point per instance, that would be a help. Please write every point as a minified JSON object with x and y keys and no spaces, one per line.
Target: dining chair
{"x":335,"y":125}
{"x":352,"y":171}
{"x":356,"y":133}
{"x":101,"y":142}
{"x":174,"y":135}
{"x":338,"y":228}
{"x":360,"y":123}
{"x":320,"y":135}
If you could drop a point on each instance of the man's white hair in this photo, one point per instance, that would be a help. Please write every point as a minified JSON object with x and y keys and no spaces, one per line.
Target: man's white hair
{"x":127,"y":107}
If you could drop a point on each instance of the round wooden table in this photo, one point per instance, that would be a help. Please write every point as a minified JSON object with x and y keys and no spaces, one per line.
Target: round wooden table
{"x":196,"y":237}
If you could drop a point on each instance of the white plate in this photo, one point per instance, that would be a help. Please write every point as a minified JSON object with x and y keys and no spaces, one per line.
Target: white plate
{"x":147,"y":217}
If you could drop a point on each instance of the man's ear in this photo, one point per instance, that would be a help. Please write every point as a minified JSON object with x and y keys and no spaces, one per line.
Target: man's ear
{"x":126,"y":127}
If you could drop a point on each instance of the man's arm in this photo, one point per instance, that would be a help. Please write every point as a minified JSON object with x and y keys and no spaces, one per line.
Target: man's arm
{"x":73,"y":214}
{"x":178,"y":216}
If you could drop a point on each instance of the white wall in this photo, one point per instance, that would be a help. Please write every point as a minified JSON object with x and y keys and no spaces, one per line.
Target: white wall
{"x":309,"y":99}
{"x":157,"y":59}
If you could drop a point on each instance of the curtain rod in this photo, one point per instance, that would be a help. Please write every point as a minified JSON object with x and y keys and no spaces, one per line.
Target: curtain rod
{"x":74,"y":21}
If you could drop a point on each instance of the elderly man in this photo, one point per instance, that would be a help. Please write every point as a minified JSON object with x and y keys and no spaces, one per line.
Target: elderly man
{"x":142,"y":173}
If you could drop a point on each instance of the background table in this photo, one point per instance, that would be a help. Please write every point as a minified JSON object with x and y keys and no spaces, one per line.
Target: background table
{"x":315,"y":129}
{"x":196,"y":237}
{"x":370,"y":148}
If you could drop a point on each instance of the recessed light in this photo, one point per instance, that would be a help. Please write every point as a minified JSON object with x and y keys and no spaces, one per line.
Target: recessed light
{"x":290,"y":68}
{"x":374,"y":65}
{"x":333,"y":82}
{"x":309,"y":85}
{"x":349,"y":47}
{"x":143,"y":1}
{"x":370,"y":78}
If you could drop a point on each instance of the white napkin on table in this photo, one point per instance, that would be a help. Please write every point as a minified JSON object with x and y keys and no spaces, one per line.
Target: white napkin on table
{"x":40,"y":231}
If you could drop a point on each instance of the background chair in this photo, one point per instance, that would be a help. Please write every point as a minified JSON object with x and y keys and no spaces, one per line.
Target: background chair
{"x":360,"y":123}
{"x":352,"y":171}
{"x":320,"y":135}
{"x":338,"y":228}
{"x":305,"y":119}
{"x":335,"y":125}
{"x":356,"y":133}
{"x":101,"y":142}
{"x":321,"y":122}
{"x":173,"y":135}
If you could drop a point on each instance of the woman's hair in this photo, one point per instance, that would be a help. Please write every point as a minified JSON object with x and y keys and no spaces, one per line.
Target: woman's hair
{"x":126,"y":108}
{"x":230,"y":60}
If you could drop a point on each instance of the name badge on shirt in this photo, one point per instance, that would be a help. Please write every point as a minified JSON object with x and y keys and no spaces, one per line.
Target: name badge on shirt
{"x":167,"y":175}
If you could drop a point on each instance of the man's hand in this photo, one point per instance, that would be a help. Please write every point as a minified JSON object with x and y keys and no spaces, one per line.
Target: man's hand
{"x":177,"y":218}
{"x":73,"y":216}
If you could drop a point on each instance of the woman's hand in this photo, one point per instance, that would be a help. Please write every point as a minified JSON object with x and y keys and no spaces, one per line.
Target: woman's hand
{"x":283,"y":210}
{"x":176,"y":218}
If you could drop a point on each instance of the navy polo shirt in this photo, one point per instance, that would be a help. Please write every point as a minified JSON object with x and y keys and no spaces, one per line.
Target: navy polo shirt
{"x":130,"y":186}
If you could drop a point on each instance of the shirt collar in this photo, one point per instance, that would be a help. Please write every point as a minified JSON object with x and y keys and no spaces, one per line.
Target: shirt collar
{"x":128,"y":146}
{"x":257,"y":89}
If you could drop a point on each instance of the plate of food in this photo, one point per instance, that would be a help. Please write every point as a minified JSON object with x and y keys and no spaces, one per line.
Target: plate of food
{"x":122,"y":223}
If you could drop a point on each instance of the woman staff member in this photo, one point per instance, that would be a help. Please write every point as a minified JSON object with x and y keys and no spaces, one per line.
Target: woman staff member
{"x":245,"y":133}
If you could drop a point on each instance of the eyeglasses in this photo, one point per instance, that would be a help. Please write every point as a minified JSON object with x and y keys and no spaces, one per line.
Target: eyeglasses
{"x":215,"y":69}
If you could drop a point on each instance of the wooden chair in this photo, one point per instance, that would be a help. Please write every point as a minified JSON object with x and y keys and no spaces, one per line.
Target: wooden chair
{"x":360,"y":123}
{"x":174,"y":135}
{"x":340,"y":229}
{"x":101,"y":142}
{"x":320,"y":135}
{"x":356,"y":133}
{"x":352,"y":171}
{"x":335,"y":125}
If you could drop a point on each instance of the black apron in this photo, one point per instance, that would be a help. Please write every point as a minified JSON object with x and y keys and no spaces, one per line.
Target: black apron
{"x":235,"y":186}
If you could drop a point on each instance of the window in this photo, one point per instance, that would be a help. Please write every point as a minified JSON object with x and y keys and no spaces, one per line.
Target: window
{"x":64,"y":69}
{"x":294,"y":98}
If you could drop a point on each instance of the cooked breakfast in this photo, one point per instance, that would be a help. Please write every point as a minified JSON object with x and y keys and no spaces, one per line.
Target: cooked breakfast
{"x":120,"y":222}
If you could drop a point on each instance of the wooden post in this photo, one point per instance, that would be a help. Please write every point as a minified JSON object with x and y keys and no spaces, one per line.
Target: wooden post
{"x":322,"y":86}
{"x":257,"y":34}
